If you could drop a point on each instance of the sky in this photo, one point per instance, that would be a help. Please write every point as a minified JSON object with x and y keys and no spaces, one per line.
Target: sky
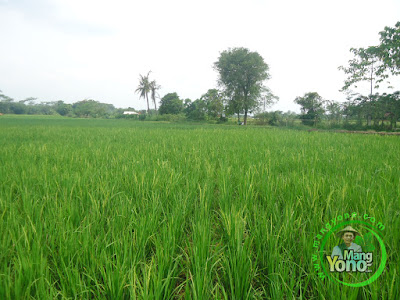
{"x":93,"y":49}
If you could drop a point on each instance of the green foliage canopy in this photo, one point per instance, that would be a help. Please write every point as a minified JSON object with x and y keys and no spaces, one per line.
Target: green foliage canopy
{"x":311,"y":108}
{"x":375,"y":63}
{"x":241,"y":74}
{"x":196,"y":110}
{"x":364,"y":66}
{"x":91,"y":108}
{"x":171,"y":104}
{"x":214,"y":103}
{"x":389,"y":48}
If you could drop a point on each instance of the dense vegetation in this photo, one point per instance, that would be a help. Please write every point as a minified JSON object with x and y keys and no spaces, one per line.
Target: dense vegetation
{"x":113,"y":209}
{"x":241,"y":77}
{"x":379,"y":112}
{"x":87,"y":108}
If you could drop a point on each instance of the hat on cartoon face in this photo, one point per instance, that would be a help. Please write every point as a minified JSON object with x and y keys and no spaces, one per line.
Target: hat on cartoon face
{"x":348,"y":229}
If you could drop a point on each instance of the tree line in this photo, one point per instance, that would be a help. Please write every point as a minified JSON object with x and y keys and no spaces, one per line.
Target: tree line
{"x":375,"y":65}
{"x":83,"y":109}
{"x":242,"y":76}
{"x":378,"y":111}
{"x":242,"y":91}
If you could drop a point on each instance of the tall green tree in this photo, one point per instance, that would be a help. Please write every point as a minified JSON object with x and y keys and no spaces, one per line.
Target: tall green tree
{"x":391,"y":108}
{"x":234,"y":103}
{"x":171,"y":104}
{"x":311,"y":108}
{"x":375,"y":63}
{"x":364,"y":66}
{"x":91,"y":108}
{"x":62,"y":108}
{"x":351,"y":109}
{"x":334,"y":110}
{"x":242,"y":74}
{"x":5,"y":103}
{"x":144,"y":88}
{"x":213,"y":103}
{"x":196,"y":110}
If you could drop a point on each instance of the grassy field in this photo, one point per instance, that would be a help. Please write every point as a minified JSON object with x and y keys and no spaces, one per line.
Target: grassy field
{"x":119,"y":209}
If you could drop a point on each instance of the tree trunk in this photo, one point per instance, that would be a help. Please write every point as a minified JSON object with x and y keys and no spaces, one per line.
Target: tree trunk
{"x":372,"y":79}
{"x":245,"y":107}
{"x":148,"y":106}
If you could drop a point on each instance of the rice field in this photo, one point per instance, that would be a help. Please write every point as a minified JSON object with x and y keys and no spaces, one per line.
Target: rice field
{"x":119,"y":209}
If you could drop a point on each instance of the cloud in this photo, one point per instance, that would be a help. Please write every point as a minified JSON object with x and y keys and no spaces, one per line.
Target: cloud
{"x":71,"y":50}
{"x":48,"y":14}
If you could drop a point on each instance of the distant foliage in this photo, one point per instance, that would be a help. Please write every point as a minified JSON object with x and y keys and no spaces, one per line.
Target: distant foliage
{"x":380,"y":111}
{"x":276,"y":118}
{"x":375,"y":63}
{"x":87,"y":108}
{"x":209,"y":107}
{"x":92,"y":108}
{"x":171,"y":104}
{"x":242,"y":74}
{"x":196,"y":110}
{"x":312,"y":108}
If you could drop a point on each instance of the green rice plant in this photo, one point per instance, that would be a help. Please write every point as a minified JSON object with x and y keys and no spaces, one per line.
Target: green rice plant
{"x":114,"y":209}
{"x":236,"y":261}
{"x":202,"y":255}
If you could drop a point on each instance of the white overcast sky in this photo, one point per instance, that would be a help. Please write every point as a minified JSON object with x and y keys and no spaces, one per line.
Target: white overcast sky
{"x":75,"y":49}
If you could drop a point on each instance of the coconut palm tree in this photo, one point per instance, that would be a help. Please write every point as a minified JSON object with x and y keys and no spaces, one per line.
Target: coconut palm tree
{"x":144,"y":89}
{"x":153,"y":88}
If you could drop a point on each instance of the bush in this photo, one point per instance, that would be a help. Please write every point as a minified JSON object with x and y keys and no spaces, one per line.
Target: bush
{"x":170,"y":117}
{"x":222,"y":119}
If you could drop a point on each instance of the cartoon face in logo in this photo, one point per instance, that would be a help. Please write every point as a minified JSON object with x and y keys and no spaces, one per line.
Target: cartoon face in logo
{"x":348,"y":235}
{"x":348,"y":238}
